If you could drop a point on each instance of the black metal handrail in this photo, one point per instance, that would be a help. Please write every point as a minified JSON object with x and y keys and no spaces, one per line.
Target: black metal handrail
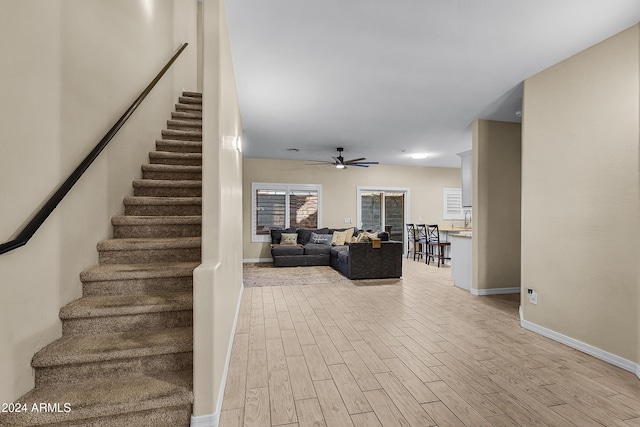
{"x":38,"y":219}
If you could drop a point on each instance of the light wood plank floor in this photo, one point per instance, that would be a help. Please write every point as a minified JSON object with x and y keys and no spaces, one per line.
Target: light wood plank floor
{"x":420,"y":353}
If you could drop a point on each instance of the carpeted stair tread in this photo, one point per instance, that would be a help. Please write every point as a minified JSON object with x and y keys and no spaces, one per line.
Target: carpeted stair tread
{"x":151,"y":226}
{"x":137,"y":271}
{"x":106,"y":398}
{"x":171,"y":168}
{"x":182,"y":135}
{"x":188,"y":107}
{"x":175,"y":157}
{"x":176,"y":145}
{"x":142,"y":243}
{"x":162,"y":201}
{"x":190,"y":100}
{"x":187,"y":115}
{"x":119,"y":305}
{"x":76,"y":349}
{"x":189,"y":124}
{"x":156,"y":220}
{"x":172,"y":172}
{"x":166,"y":183}
{"x":162,"y":206}
{"x":192,"y":94}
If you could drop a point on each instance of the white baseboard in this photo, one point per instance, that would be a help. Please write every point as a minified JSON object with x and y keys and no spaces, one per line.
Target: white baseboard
{"x":611,"y":358}
{"x":212,"y":420}
{"x":495,"y":291}
{"x":257,"y":260}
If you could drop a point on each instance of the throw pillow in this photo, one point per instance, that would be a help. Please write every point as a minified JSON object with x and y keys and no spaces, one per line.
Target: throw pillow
{"x":349,"y":235}
{"x":289,"y":239}
{"x":276,"y":233}
{"x":365,"y":236}
{"x":322,"y":239}
{"x":338,"y":238}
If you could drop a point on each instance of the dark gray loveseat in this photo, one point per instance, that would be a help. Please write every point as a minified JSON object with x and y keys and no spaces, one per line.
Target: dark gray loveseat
{"x":363,"y":261}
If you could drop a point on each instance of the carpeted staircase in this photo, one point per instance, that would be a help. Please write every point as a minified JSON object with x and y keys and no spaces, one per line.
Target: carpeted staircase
{"x":126,"y":353}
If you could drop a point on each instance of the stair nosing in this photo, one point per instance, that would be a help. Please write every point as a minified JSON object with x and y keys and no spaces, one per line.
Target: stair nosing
{"x":154,"y":167}
{"x":166,"y":183}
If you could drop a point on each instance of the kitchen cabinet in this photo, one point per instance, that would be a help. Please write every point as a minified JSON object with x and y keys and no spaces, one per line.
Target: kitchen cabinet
{"x":461,"y":259}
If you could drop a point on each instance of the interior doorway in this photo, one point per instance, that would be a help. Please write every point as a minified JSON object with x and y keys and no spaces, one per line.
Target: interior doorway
{"x":384,"y":209}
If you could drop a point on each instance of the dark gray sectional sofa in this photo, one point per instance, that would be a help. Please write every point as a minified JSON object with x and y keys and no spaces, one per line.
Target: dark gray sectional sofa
{"x":354,"y":260}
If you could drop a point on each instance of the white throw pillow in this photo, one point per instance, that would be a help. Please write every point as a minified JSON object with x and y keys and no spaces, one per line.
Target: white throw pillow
{"x":289,"y":239}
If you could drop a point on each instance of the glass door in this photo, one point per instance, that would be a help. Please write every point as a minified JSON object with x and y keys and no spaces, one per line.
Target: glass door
{"x":383,"y":210}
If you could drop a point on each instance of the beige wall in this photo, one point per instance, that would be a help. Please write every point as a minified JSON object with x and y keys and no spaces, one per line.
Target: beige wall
{"x":580,"y":204}
{"x":496,"y":205}
{"x":70,"y":69}
{"x":218,"y":281}
{"x":339,"y":194}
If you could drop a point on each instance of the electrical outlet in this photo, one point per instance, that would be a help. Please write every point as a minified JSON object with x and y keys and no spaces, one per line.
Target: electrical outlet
{"x":533,"y":296}
{"x":347,"y":220}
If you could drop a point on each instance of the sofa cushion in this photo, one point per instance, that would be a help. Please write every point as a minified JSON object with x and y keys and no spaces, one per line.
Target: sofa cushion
{"x":289,"y":238}
{"x":277,"y":233}
{"x":304,"y":234}
{"x":287,"y":250}
{"x":323,"y":239}
{"x":317,"y":249}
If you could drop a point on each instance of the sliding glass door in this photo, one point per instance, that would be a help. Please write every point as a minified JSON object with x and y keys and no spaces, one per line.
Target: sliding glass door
{"x":383,"y":209}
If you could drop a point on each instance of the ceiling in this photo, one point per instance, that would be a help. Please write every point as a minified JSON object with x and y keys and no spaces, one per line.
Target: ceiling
{"x":385,"y":79}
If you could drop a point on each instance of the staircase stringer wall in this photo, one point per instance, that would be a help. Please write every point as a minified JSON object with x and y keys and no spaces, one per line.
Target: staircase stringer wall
{"x":218,"y":281}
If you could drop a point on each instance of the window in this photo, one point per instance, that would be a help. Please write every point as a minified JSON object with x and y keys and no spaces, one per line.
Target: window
{"x":283,"y":206}
{"x":452,"y":204}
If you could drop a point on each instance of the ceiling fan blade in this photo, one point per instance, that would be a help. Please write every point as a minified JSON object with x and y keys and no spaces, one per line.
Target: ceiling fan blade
{"x":364,"y":163}
{"x":318,"y":163}
{"x":354,"y":160}
{"x":337,"y":160}
{"x":360,"y":165}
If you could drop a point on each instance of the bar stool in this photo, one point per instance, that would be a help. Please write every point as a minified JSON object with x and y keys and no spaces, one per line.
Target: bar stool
{"x":433,"y":242}
{"x":411,"y":240}
{"x":421,"y":240}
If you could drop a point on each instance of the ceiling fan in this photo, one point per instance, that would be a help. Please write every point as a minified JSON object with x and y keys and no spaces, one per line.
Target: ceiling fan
{"x":340,"y":163}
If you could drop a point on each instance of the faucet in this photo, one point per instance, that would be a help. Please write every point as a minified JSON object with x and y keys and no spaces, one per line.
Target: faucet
{"x":467,"y":218}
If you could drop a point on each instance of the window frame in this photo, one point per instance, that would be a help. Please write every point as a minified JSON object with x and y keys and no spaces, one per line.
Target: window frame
{"x":446,"y":206}
{"x":287,"y":188}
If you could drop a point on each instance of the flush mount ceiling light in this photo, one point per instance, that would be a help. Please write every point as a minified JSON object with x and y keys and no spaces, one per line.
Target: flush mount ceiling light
{"x":419,"y":156}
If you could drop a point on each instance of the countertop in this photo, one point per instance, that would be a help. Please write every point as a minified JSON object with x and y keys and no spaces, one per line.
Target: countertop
{"x":453,"y":229}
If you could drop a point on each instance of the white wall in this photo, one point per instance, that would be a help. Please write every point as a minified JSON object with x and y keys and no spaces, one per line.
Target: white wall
{"x":581,"y":203}
{"x":70,"y":69}
{"x":218,"y":281}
